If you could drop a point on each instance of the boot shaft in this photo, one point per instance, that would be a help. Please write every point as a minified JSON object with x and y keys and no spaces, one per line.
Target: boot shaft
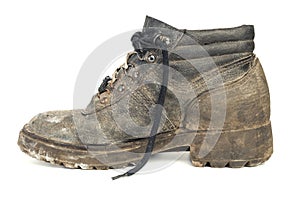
{"x":198,"y":55}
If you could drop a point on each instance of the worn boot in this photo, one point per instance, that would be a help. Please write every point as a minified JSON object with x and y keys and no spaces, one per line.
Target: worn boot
{"x":198,"y":90}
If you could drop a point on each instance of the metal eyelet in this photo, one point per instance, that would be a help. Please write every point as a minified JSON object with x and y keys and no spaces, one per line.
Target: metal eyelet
{"x":104,"y":100}
{"x":121,"y":88}
{"x":151,"y":58}
{"x":136,"y":74}
{"x":129,"y":65}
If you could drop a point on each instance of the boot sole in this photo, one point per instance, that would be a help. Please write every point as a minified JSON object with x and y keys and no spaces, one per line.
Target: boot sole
{"x":233,"y":149}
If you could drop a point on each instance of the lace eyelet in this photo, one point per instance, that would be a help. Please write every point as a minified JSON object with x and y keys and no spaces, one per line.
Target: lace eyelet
{"x":104,"y":100}
{"x":151,"y":58}
{"x":129,"y":65}
{"x":136,"y":74}
{"x":121,"y":88}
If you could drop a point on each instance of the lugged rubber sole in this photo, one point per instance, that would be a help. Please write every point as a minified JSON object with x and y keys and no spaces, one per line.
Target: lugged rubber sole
{"x":233,"y":149}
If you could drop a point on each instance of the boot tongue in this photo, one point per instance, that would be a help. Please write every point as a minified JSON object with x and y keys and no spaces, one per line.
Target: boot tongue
{"x":157,"y":34}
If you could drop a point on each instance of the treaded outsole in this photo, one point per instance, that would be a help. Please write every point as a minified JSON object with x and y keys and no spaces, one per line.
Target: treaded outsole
{"x":229,"y":164}
{"x":26,"y":146}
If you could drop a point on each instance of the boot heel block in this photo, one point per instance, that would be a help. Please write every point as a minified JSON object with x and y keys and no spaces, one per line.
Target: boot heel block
{"x":233,"y":149}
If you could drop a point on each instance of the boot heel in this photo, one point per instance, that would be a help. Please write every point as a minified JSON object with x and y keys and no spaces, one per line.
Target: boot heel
{"x":233,"y":149}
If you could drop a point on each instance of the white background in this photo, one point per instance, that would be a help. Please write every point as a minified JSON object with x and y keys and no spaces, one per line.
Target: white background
{"x":42,"y":48}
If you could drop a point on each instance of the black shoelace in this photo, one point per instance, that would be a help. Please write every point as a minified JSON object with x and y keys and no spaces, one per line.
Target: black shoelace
{"x":104,"y":84}
{"x":156,"y":121}
{"x":142,"y":41}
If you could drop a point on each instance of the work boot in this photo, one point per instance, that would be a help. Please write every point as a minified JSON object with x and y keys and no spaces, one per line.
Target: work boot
{"x":202,"y":91}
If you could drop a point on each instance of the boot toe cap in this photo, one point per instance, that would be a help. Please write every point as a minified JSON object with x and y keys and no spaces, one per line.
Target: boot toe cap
{"x":54,"y":125}
{"x":68,"y":126}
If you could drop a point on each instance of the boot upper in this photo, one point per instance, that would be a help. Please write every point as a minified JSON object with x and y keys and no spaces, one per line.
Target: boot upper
{"x":194,"y":56}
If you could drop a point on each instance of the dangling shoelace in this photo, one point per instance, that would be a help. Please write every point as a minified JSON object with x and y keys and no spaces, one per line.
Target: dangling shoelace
{"x":141,"y":40}
{"x":157,"y":119}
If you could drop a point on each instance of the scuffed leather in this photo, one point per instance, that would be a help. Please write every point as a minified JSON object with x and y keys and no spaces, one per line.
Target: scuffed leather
{"x":228,"y":50}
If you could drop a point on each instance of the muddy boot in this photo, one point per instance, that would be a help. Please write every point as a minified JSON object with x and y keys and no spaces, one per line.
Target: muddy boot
{"x":198,"y":90}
